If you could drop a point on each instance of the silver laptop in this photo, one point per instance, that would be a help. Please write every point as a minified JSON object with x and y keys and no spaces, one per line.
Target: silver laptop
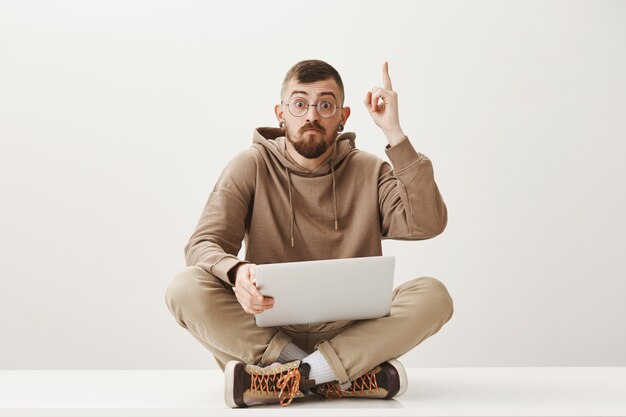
{"x":324,"y":291}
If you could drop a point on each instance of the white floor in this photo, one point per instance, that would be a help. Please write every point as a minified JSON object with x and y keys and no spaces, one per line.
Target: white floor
{"x":431,"y":392}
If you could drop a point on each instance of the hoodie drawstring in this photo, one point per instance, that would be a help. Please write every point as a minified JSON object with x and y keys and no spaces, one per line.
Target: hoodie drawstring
{"x":293,"y":218}
{"x":334,"y":192}
{"x":290,"y":205}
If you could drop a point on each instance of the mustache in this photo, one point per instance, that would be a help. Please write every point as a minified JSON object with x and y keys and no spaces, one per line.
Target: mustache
{"x":314,"y":125}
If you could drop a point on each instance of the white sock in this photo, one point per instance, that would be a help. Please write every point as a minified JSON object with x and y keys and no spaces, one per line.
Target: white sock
{"x":291,"y":352}
{"x":320,"y":369}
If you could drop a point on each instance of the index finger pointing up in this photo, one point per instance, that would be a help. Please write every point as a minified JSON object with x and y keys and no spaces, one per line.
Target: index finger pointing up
{"x":386,"y":78}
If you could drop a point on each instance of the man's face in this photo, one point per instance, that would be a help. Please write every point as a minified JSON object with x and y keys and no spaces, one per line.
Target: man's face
{"x":311,"y":134}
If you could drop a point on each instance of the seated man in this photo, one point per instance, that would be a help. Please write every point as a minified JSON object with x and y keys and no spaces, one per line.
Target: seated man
{"x":302,"y":192}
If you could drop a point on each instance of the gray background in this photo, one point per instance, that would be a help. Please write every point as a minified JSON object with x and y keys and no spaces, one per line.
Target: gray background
{"x":117,"y":117}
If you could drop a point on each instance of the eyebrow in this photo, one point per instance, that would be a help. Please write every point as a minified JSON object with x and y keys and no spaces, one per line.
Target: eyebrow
{"x":323,"y":93}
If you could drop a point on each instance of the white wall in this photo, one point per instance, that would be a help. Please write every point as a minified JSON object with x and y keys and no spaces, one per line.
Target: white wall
{"x":116,"y":118}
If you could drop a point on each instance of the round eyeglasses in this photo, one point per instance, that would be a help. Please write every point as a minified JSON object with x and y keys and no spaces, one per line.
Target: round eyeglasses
{"x":299,"y":107}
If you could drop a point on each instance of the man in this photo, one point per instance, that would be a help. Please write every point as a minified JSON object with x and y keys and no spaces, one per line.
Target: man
{"x":304,"y":192}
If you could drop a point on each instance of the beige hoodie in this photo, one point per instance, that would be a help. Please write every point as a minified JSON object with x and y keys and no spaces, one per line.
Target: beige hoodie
{"x":341,"y":209}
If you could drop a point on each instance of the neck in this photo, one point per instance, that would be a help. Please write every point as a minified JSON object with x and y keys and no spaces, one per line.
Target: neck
{"x":307,"y":163}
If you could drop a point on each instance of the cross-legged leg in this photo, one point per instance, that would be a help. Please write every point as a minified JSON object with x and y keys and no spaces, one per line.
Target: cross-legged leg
{"x":206,"y":306}
{"x":419,"y":309}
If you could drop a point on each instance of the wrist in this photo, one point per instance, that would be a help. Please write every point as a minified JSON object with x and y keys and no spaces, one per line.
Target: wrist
{"x":232,"y":274}
{"x":395,"y":136}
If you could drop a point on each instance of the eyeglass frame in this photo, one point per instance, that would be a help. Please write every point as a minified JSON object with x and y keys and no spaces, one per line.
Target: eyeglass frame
{"x":309,"y":106}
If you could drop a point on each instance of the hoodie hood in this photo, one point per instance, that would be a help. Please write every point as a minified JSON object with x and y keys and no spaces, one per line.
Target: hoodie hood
{"x":273,"y":139}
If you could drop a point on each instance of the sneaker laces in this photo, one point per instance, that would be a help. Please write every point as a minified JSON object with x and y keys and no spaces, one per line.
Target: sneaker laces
{"x":287,"y":381}
{"x":365,"y":382}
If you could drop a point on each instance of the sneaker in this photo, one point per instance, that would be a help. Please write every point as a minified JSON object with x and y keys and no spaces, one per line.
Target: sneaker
{"x":248,"y":385}
{"x":387,"y":380}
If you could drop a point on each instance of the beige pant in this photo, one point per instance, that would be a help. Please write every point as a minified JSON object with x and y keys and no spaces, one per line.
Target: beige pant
{"x":208,"y":308}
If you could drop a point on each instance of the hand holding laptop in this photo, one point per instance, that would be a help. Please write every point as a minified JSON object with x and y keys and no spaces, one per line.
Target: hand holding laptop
{"x":352,"y":289}
{"x":246,"y":292}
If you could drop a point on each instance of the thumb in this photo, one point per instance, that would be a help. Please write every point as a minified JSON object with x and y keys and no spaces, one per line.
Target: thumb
{"x":252,"y":270}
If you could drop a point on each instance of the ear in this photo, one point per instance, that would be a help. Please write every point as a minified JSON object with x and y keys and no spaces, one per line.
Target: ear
{"x":278,"y":109}
{"x":345,"y":113}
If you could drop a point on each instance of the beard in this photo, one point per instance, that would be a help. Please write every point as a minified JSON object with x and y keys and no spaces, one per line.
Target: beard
{"x":311,"y":143}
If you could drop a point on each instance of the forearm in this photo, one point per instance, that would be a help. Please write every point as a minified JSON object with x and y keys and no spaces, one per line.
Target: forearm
{"x":412,"y":206}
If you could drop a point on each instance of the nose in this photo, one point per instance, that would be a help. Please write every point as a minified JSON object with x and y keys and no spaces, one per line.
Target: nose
{"x":312,"y":114}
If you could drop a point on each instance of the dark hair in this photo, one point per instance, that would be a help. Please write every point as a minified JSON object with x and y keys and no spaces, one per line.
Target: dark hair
{"x":310,"y":71}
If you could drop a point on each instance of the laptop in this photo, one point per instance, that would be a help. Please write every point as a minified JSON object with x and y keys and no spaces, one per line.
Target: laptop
{"x":328,"y":290}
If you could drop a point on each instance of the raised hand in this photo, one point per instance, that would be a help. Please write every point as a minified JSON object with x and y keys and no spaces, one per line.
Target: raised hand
{"x":382,"y":105}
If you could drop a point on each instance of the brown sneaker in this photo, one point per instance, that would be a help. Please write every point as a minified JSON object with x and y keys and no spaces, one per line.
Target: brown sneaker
{"x":248,"y":385}
{"x":387,"y":380}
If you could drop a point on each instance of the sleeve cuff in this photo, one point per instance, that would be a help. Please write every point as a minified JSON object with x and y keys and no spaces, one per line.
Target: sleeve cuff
{"x":403,"y":154}
{"x":225,"y":264}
